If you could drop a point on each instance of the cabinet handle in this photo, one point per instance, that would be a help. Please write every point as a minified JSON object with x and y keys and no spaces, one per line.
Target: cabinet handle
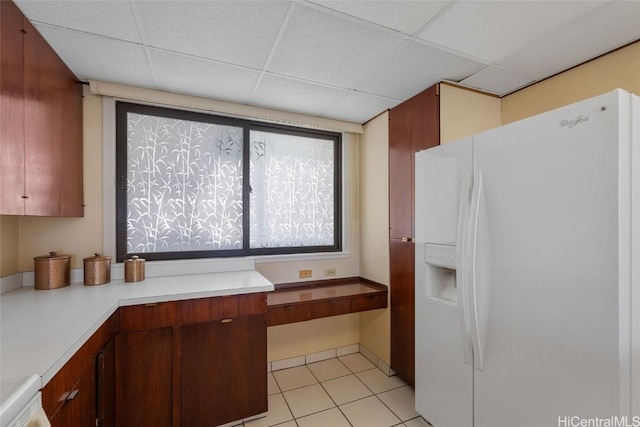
{"x":25,"y":197}
{"x":71,"y":395}
{"x":407,"y":239}
{"x":151,"y":304}
{"x":227,"y":320}
{"x":370,"y":296}
{"x":331,"y":301}
{"x":288,"y":307}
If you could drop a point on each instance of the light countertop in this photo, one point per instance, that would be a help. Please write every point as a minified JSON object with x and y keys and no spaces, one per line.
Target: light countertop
{"x":41,"y":330}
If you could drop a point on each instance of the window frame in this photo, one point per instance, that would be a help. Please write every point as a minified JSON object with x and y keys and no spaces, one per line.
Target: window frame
{"x":121,"y":171}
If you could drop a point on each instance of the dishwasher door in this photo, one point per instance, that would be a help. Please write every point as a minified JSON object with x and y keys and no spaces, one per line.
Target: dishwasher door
{"x":32,"y":415}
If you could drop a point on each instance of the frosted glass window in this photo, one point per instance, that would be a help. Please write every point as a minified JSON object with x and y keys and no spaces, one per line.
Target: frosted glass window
{"x":195,"y":185}
{"x":292,"y":190}
{"x":184,"y":185}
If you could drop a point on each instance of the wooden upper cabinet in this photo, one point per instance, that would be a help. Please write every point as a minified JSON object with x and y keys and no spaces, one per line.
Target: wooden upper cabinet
{"x":43,"y":136}
{"x":414,"y":125}
{"x":425,"y":119}
{"x":71,"y":180}
{"x":400,"y":159}
{"x":41,"y":125}
{"x":11,"y":110}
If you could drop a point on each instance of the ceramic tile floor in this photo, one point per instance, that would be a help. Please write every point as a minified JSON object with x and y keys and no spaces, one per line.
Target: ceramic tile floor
{"x":348,"y":391}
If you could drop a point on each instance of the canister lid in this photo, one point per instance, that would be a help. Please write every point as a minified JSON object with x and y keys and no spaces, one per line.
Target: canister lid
{"x":134,"y":258}
{"x":97,"y":257}
{"x":52,"y":255}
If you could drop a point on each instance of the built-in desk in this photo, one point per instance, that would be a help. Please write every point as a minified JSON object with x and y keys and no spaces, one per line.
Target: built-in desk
{"x":298,"y":302}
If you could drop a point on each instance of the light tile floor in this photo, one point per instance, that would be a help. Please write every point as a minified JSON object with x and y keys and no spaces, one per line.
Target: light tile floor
{"x":346,"y":391}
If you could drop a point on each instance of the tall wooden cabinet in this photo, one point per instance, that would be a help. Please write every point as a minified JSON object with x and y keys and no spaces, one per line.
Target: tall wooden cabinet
{"x":40,"y":124}
{"x":414,"y":125}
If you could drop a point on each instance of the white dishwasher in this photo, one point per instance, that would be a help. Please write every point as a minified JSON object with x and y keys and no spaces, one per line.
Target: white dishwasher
{"x":32,"y":415}
{"x":21,"y":403}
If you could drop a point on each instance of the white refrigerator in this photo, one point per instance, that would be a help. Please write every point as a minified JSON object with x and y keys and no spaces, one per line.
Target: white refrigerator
{"x":528,"y":271}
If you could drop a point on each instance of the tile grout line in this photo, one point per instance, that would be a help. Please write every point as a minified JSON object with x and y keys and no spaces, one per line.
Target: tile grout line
{"x":336,"y":405}
{"x":327,"y":391}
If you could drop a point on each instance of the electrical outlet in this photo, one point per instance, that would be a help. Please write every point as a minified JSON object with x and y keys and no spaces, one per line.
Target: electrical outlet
{"x":329,"y":271}
{"x":304,"y":274}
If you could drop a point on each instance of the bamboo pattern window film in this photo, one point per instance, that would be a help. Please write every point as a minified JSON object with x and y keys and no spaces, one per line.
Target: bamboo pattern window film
{"x":195,"y":185}
{"x":184,"y":185}
{"x":292,"y":190}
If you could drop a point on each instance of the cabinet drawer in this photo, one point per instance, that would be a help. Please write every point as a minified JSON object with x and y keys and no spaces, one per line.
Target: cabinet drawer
{"x":289,"y":313}
{"x":369,"y":302}
{"x":330,"y":307}
{"x":204,"y":310}
{"x":200,"y":310}
{"x":148,"y":316}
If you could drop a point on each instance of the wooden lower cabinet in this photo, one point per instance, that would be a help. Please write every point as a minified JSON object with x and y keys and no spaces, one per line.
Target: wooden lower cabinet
{"x":79,"y":407}
{"x":199,"y":362}
{"x":106,"y":385}
{"x":403,"y":308}
{"x":223,"y":370}
{"x":73,"y":396}
{"x":144,"y":378}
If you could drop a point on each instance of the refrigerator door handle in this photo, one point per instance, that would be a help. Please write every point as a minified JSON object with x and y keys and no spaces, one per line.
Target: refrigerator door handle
{"x":477,"y":264}
{"x":463,"y":272}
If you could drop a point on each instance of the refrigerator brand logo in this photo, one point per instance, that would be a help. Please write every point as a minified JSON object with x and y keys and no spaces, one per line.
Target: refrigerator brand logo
{"x":571,"y":123}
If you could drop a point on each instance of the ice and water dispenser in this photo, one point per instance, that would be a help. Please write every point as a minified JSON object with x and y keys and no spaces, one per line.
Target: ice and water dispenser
{"x":439,"y":281}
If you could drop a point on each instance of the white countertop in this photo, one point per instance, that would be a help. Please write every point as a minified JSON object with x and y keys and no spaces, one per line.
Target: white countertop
{"x":41,"y":330}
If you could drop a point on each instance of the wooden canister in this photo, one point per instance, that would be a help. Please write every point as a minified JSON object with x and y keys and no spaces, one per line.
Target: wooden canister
{"x":134,"y":269}
{"x":52,"y":271}
{"x":97,"y":270}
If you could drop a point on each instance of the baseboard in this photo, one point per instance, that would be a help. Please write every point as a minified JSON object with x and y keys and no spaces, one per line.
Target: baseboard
{"x":292,"y":362}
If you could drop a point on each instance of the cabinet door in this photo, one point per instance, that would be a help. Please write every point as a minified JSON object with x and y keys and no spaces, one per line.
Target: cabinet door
{"x":71,"y":179}
{"x":402,"y":309}
{"x":400,"y":178}
{"x":11,"y":110}
{"x":79,"y":408}
{"x":223,"y":370}
{"x":43,"y":135}
{"x":106,"y":386}
{"x":144,"y":378}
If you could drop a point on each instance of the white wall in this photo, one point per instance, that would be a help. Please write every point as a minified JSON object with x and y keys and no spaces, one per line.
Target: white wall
{"x":465,"y":112}
{"x":374,"y":229}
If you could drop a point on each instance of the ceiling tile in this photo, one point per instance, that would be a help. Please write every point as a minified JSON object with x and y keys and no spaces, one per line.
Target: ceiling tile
{"x":236,"y":32}
{"x":496,"y":80}
{"x":491,"y":30}
{"x":201,"y":77}
{"x":107,"y":18}
{"x":405,"y":16}
{"x":100,"y":58}
{"x":584,"y":39}
{"x":414,"y":68}
{"x":292,"y":95}
{"x":358,"y":107}
{"x":323,"y":48}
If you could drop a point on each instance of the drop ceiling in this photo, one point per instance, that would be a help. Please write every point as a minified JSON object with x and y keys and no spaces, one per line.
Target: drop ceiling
{"x":345,"y":60}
